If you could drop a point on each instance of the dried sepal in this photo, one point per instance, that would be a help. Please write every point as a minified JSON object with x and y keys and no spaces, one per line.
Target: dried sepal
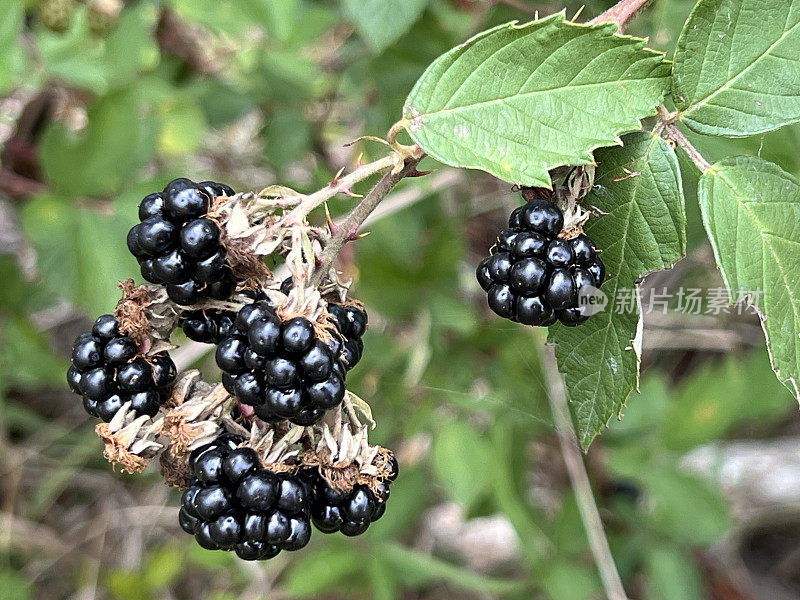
{"x":130,"y":441}
{"x":146,"y":315}
{"x":349,"y":460}
{"x":278,"y":455}
{"x":175,"y":470}
{"x":197,"y":420}
{"x":359,"y":407}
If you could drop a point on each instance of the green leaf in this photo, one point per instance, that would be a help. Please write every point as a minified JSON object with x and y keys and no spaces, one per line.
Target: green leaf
{"x":81,"y":253}
{"x":684,"y":508}
{"x":12,"y":57}
{"x":671,"y":575}
{"x":73,"y":57}
{"x":751,"y":211}
{"x":115,"y":143}
{"x":638,"y":186}
{"x":163,"y":567}
{"x":569,"y":581}
{"x":518,"y":100}
{"x":737,"y":67}
{"x":415,"y":564}
{"x":14,"y":586}
{"x":277,"y":16}
{"x":331,"y":565}
{"x":459,"y":455}
{"x":381,"y":22}
{"x":718,"y":396}
{"x":26,"y":357}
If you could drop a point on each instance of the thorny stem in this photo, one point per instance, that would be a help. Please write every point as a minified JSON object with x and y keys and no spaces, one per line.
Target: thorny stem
{"x":337,"y":186}
{"x":349,"y":228}
{"x":622,"y":13}
{"x":666,"y":128}
{"x":590,"y":516}
{"x":673,"y":134}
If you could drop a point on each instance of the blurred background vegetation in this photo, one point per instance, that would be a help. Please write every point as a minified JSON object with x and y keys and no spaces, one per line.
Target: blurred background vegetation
{"x":102,"y":102}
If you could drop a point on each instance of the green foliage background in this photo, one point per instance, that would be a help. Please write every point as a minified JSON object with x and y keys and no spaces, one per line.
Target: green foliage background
{"x":98,"y":110}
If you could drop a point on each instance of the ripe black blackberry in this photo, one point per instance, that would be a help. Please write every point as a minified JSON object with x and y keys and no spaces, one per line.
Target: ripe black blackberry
{"x":350,"y":321}
{"x":108,"y":371}
{"x":209,"y":326}
{"x":350,"y":512}
{"x":233,"y":503}
{"x":535,"y":277}
{"x":178,"y":247}
{"x":281,"y":369}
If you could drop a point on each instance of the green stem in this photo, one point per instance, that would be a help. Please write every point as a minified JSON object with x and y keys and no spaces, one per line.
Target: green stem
{"x":557,"y":396}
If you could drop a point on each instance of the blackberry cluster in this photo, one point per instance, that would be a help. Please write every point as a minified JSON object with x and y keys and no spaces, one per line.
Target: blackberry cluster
{"x":178,"y":247}
{"x":349,"y":512}
{"x":533,"y":276}
{"x":235,"y":504}
{"x":280,"y":368}
{"x":107,"y":371}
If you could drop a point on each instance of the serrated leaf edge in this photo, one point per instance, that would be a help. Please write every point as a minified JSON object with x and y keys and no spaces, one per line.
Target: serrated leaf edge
{"x":761,"y":316}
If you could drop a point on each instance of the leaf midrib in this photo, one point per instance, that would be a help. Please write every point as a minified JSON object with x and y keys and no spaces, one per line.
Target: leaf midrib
{"x":609,"y":323}
{"x":756,"y":222}
{"x":423,"y":115}
{"x":700,"y":103}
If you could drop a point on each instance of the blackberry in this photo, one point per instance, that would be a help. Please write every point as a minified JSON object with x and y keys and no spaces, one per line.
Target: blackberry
{"x":280,"y":368}
{"x":233,"y":503}
{"x":350,"y":321}
{"x":350,"y":512}
{"x":207,"y":326}
{"x":178,"y":246}
{"x":108,"y":372}
{"x":534,"y":277}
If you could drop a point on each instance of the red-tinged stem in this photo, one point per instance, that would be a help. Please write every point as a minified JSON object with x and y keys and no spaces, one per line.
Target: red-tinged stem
{"x":622,"y":13}
{"x":349,"y":228}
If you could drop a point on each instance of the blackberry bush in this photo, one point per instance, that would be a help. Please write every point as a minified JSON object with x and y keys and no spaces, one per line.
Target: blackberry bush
{"x":233,"y":503}
{"x":533,"y":275}
{"x":178,"y":247}
{"x":108,"y":371}
{"x":281,"y":369}
{"x":350,"y":512}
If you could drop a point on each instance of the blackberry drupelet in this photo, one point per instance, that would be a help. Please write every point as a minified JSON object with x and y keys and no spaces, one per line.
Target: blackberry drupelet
{"x":178,"y":247}
{"x":233,"y":503}
{"x":107,"y":371}
{"x":349,"y":512}
{"x":280,"y":368}
{"x":534,"y":277}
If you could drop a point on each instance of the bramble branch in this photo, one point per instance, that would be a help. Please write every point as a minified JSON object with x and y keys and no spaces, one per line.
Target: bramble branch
{"x":622,"y":13}
{"x":340,"y":185}
{"x":557,"y":396}
{"x":349,"y":229}
{"x":672,"y":133}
